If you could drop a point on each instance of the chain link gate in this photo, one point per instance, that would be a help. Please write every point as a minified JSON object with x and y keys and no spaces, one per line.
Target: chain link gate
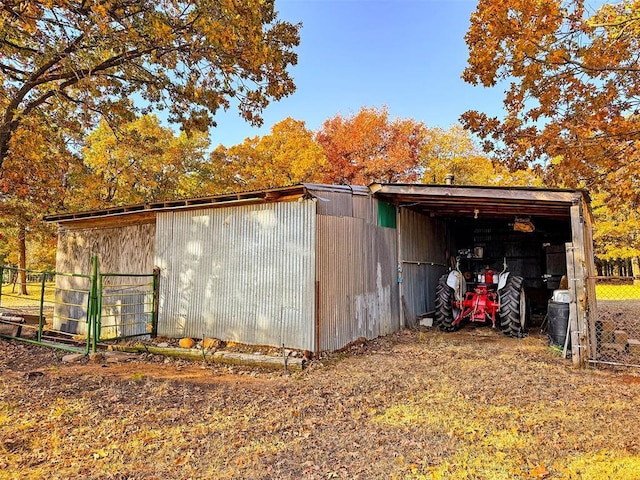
{"x":76,"y":312}
{"x":617,"y":326}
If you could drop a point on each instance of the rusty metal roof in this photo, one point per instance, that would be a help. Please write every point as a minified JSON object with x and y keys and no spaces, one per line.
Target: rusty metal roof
{"x":435,"y":200}
{"x":256,"y":196}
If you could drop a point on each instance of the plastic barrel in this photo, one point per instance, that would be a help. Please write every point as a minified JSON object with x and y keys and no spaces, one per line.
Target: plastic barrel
{"x":558,"y":321}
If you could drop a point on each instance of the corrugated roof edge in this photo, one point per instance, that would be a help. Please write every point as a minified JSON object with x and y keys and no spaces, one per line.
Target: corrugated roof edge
{"x":266,"y":195}
{"x":272,"y":194}
{"x":353,"y":189}
{"x":373,"y":187}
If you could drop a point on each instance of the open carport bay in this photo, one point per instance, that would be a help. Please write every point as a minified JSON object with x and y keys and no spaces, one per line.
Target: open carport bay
{"x":541,"y":234}
{"x":538,"y":256}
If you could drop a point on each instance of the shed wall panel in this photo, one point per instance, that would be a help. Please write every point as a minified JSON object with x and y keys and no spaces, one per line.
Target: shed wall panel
{"x":357,"y":294}
{"x":345,"y":204}
{"x":365,"y":208}
{"x":338,"y":204}
{"x":423,"y":253}
{"x":242,"y":274}
{"x":126,"y":249}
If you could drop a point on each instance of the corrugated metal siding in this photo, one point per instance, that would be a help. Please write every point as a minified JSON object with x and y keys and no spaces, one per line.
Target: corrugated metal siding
{"x":365,"y":208}
{"x":423,"y":242}
{"x":243,"y":273}
{"x":356,"y":276}
{"x":345,"y":201}
{"x":347,"y":204}
{"x":338,"y":204}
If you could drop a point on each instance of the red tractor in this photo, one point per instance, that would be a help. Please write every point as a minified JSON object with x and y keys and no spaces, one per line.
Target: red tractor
{"x":496,"y":298}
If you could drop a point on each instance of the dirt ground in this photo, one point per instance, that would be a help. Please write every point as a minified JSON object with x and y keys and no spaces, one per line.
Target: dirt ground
{"x":471,"y":404}
{"x":625,"y":315}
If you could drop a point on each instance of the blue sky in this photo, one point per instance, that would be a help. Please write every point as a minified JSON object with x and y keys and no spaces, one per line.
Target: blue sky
{"x":405,"y":54}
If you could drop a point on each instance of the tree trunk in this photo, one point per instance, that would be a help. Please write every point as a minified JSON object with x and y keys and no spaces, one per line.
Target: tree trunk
{"x":5,"y":136}
{"x":22,"y":258}
{"x":599,"y":271}
{"x":635,"y":267}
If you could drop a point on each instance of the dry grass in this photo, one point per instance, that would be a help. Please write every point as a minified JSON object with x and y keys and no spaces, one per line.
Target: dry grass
{"x":472,"y":404}
{"x":617,"y":292}
{"x":11,"y":298}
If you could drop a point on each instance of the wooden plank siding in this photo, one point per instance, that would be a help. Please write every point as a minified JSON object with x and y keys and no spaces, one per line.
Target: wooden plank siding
{"x":125,"y":249}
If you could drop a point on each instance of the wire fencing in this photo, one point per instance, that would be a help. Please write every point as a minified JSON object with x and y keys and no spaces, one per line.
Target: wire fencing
{"x":75,"y":312}
{"x":127,"y":305}
{"x":48,"y":308}
{"x":616,"y":334}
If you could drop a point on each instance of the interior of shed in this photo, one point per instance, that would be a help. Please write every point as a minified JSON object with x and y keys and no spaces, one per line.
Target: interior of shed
{"x":531,"y":247}
{"x":484,"y":228}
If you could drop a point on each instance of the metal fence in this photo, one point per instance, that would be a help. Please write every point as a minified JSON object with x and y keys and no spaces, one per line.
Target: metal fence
{"x":615,"y":334}
{"x":47,"y":308}
{"x":76,"y":312}
{"x":127,"y":306}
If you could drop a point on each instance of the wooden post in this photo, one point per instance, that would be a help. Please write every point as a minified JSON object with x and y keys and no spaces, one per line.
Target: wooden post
{"x":578,"y":275}
{"x":317,"y":342}
{"x":22,"y":258}
{"x":399,"y":215}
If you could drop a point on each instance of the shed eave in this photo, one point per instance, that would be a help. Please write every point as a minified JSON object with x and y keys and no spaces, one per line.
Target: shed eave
{"x":459,"y":200}
{"x":214,"y":201}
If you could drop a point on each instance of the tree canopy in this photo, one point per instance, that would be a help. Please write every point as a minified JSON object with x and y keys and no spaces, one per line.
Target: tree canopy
{"x":27,"y":193}
{"x":73,"y":62}
{"x":287,"y":155}
{"x":573,"y":92}
{"x":370,"y":147}
{"x":140,"y":162}
{"x":454,"y":151}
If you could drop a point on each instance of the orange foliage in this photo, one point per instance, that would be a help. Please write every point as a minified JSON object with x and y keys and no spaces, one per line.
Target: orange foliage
{"x":35,"y":181}
{"x":139,"y":161}
{"x":87,"y":60}
{"x":454,"y":151}
{"x":369,"y":147}
{"x":573,"y":89}
{"x":286,"y":156}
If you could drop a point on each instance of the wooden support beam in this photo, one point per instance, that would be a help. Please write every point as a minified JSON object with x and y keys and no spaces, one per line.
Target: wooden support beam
{"x":229,"y":358}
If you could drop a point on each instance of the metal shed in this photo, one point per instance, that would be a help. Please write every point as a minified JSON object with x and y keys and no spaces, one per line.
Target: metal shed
{"x":317,"y":266}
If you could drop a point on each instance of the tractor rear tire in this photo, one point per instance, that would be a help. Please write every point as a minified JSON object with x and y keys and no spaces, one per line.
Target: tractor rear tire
{"x":513,"y":307}
{"x":444,"y":305}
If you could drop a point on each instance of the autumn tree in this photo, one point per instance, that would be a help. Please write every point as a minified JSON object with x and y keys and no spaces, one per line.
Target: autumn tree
{"x":454,"y":151}
{"x":286,"y":156}
{"x":573,"y":89}
{"x":616,"y":233}
{"x":370,"y":147}
{"x":140,"y":161}
{"x":107,"y":58}
{"x":29,"y":193}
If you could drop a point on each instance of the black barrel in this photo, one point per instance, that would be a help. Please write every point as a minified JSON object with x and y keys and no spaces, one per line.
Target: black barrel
{"x":558,"y":321}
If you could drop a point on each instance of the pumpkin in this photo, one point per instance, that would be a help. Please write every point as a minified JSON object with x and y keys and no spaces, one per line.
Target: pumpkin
{"x":186,"y":342}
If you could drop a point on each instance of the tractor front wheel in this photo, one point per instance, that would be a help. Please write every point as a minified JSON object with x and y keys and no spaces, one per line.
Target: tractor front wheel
{"x":444,"y":305}
{"x":513,"y":307}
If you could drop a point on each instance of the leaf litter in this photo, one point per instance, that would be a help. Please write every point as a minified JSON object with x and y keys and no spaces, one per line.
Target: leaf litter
{"x":418,"y":405}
